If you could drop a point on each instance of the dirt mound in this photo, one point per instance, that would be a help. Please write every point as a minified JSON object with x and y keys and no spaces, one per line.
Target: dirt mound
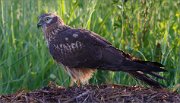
{"x":95,"y":94}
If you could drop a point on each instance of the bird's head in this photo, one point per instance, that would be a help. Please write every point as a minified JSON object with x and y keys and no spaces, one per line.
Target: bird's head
{"x":49,"y":20}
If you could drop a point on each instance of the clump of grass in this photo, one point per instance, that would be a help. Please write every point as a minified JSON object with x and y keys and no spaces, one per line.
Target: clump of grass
{"x":149,"y":30}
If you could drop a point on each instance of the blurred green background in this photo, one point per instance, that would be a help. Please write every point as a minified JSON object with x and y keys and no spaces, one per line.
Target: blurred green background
{"x":147,"y":29}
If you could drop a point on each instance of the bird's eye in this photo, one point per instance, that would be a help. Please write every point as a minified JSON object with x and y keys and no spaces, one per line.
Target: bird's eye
{"x":46,"y":19}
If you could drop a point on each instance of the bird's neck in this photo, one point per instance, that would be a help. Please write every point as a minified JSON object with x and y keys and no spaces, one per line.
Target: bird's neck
{"x":53,"y":30}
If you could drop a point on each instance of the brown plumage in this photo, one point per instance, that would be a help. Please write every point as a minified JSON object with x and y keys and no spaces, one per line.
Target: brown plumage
{"x":81,"y":52}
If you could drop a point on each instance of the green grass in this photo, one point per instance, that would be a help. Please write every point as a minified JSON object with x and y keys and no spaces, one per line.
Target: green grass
{"x":148,"y":30}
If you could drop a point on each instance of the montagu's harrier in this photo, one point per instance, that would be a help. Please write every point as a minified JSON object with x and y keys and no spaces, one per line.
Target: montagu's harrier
{"x":81,"y":52}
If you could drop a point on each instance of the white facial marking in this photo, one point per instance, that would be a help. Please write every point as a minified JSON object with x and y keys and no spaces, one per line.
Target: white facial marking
{"x":48,"y":21}
{"x":49,"y":18}
{"x":75,"y":35}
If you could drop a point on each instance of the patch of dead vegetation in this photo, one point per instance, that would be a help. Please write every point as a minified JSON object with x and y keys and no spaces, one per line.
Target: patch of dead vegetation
{"x":93,"y":94}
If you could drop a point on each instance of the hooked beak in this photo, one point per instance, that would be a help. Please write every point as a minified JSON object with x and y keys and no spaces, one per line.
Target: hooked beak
{"x":39,"y":24}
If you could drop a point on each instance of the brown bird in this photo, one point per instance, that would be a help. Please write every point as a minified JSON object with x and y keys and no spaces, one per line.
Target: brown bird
{"x":81,"y":52}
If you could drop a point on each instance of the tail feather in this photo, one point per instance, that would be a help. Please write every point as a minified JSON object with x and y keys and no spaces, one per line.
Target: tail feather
{"x":142,"y":69}
{"x":144,"y":66}
{"x":150,"y":63}
{"x":117,"y":60}
{"x":156,"y":75}
{"x":146,"y":79}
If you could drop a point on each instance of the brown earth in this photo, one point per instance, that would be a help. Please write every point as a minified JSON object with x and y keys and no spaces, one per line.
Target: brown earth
{"x":93,"y":94}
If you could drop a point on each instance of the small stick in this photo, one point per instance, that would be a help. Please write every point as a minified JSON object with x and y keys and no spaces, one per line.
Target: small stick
{"x":83,"y":94}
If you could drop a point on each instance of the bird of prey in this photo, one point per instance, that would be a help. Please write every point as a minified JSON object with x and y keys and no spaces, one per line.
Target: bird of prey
{"x":81,"y":52}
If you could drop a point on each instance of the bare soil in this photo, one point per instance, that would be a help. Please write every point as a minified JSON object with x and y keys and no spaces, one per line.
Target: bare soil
{"x":93,"y":94}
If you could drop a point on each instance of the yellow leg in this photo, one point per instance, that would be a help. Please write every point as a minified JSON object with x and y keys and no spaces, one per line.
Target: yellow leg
{"x":78,"y":83}
{"x":71,"y":82}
